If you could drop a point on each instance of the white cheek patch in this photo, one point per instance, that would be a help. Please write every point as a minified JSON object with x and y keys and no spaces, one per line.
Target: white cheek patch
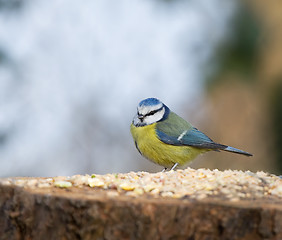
{"x":155,"y":117}
{"x":143,"y":110}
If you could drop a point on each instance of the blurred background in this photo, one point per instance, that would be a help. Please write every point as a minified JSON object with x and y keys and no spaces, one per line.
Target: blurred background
{"x":73,"y":72}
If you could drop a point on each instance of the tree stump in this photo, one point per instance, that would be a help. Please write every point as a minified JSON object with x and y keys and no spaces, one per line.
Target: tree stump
{"x":183,"y":204}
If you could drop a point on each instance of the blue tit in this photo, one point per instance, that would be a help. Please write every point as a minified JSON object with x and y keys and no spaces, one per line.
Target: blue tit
{"x":166,"y":139}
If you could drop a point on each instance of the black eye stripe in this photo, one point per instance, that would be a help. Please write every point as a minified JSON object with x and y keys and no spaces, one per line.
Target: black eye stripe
{"x":153,"y":112}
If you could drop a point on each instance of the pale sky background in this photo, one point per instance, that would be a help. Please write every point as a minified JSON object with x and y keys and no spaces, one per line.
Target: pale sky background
{"x":73,"y":72}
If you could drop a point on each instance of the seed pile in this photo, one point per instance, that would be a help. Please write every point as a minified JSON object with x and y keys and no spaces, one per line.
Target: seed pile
{"x":188,"y":183}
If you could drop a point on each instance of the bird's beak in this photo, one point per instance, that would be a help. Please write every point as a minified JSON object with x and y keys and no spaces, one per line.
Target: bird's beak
{"x":141,"y":117}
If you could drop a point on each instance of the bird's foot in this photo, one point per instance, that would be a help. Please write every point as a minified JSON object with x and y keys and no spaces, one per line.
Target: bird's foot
{"x":174,"y":166}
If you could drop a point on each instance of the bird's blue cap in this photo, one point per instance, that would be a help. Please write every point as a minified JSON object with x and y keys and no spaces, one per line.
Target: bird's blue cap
{"x":150,"y":102}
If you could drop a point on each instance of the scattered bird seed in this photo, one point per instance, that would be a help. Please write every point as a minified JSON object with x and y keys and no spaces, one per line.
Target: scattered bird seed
{"x":62,"y":184}
{"x":198,"y":184}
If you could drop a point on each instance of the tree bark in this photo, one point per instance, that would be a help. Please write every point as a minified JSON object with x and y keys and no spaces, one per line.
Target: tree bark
{"x":92,"y":213}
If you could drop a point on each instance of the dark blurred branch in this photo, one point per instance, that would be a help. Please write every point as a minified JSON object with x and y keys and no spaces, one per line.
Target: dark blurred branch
{"x":11,"y":4}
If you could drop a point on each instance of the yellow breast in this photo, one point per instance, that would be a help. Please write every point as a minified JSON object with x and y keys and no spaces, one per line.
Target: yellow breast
{"x":152,"y":148}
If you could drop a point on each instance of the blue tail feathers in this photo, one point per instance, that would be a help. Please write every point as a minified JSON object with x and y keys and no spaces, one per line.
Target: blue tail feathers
{"x":235,"y":150}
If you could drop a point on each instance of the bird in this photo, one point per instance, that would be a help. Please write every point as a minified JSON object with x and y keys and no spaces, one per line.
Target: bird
{"x":163,"y":137}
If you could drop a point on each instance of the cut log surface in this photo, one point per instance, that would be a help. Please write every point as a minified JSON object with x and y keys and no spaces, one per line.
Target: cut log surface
{"x":183,"y":204}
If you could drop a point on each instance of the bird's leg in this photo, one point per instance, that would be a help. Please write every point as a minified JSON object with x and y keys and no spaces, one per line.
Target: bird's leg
{"x":164,"y":169}
{"x":174,"y":166}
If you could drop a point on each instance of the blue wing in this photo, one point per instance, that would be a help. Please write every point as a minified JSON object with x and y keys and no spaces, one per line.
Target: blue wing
{"x":192,"y":137}
{"x":176,"y":131}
